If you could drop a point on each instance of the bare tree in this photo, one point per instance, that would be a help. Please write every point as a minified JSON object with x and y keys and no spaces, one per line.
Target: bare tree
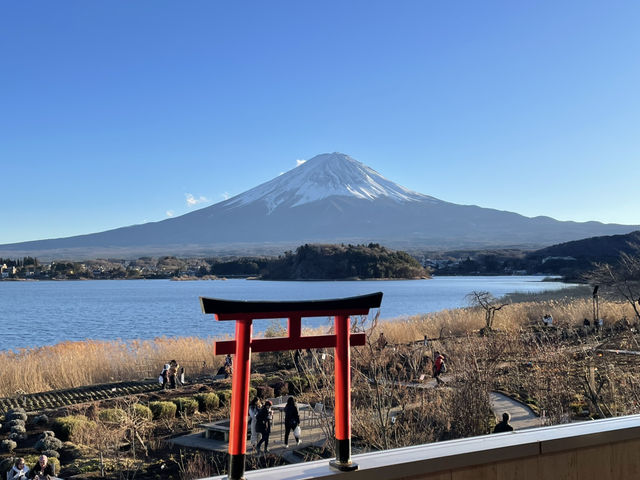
{"x":621,"y":280}
{"x":488,"y":303}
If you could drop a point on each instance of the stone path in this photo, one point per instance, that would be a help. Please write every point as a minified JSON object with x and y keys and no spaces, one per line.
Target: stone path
{"x":521,"y":415}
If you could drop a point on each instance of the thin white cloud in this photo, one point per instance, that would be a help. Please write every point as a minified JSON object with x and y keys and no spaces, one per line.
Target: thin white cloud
{"x":193,"y":201}
{"x":226,"y":195}
{"x":299,"y":162}
{"x":170,"y":213}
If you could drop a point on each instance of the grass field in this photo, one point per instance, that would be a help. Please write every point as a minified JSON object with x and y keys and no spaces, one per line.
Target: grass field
{"x":73,"y":364}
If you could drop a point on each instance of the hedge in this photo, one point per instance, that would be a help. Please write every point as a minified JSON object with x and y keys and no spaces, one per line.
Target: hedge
{"x":225,"y":397}
{"x":163,"y":410}
{"x":207,"y":402}
{"x":188,"y":406}
{"x":112,"y":415}
{"x":65,"y":426}
{"x":142,"y":411}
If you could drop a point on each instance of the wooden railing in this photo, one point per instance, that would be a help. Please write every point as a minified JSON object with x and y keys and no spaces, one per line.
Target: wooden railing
{"x":596,"y":450}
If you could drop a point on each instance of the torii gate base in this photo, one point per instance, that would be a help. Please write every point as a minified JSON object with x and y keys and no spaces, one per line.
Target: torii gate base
{"x":244,"y":312}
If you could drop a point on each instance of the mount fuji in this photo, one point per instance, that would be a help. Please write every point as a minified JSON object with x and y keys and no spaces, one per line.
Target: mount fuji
{"x":331,"y":198}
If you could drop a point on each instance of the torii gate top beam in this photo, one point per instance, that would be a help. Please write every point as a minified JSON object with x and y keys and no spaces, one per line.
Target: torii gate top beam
{"x":252,"y":310}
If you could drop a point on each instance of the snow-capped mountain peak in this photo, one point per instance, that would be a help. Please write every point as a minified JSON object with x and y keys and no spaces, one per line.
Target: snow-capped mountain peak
{"x":326,"y":175}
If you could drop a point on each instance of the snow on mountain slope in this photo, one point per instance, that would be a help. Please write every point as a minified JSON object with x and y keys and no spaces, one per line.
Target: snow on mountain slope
{"x":323,"y":176}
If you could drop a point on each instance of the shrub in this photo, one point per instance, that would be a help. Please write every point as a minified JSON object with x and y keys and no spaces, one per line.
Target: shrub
{"x":14,"y":423}
{"x":163,"y":410}
{"x":279,"y":388}
{"x":188,"y":406}
{"x":65,"y":426}
{"x":47,"y":442}
{"x":298,"y":385}
{"x":224,"y":396}
{"x":272,"y":379}
{"x":15,"y":410}
{"x":252,"y":393}
{"x":207,"y":402}
{"x":51,"y":453}
{"x":18,"y":429}
{"x":264,"y":391}
{"x":142,"y":411}
{"x":15,"y":415}
{"x":41,"y":419}
{"x":16,"y":437}
{"x":8,"y":445}
{"x":112,"y":415}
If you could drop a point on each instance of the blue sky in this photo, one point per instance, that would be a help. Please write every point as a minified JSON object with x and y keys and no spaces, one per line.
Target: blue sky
{"x":116,"y":113}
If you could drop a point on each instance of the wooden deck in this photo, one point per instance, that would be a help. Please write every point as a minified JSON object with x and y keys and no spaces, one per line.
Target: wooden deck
{"x":214,"y":436}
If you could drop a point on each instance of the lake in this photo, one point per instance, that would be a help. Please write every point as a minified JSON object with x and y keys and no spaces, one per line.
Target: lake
{"x":45,"y":313}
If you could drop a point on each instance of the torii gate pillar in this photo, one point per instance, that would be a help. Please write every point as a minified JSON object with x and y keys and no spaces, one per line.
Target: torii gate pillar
{"x":244,"y":312}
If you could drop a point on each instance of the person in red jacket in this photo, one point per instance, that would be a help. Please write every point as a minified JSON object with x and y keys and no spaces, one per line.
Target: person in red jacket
{"x":439,"y":367}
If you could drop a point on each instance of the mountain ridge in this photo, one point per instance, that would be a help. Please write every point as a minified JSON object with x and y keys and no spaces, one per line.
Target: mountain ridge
{"x":331,"y":198}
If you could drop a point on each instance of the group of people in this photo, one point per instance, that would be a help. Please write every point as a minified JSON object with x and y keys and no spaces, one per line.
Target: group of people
{"x":598,"y":324}
{"x":261,"y":418}
{"x":169,"y":376}
{"x":43,"y":470}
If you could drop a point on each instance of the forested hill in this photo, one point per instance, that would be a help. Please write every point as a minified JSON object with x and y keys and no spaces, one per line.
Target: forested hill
{"x":573,"y":260}
{"x":595,"y":249}
{"x":332,"y":262}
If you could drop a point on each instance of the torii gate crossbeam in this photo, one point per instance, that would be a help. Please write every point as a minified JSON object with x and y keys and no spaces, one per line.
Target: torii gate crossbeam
{"x":244,"y":312}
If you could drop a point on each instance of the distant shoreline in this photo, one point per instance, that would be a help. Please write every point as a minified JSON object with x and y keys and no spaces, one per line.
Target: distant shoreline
{"x":250,"y":277}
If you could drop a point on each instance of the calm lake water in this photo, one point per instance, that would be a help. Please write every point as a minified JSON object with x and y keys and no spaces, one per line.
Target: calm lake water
{"x":43,"y":313}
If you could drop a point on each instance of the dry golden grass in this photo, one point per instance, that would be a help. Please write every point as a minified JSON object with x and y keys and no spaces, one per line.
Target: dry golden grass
{"x":566,"y":313}
{"x":73,"y":364}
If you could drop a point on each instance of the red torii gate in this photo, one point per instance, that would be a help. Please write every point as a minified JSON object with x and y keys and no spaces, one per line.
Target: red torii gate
{"x":244,"y":312}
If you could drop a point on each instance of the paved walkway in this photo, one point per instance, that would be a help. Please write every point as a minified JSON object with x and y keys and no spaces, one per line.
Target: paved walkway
{"x":521,"y":416}
{"x":312,"y":434}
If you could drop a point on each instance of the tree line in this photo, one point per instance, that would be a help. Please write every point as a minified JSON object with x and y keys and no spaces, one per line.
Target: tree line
{"x":308,"y":262}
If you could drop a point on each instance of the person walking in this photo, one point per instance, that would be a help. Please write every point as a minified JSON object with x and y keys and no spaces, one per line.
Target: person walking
{"x":228,"y":365}
{"x":265,"y":419}
{"x":504,"y":425}
{"x":254,"y":409}
{"x":291,"y":422}
{"x":382,"y":341}
{"x":439,"y":367}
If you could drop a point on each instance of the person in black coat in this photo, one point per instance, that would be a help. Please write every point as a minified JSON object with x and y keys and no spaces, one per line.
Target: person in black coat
{"x":263,"y":425}
{"x":504,"y":426}
{"x":291,"y":421}
{"x":43,"y":469}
